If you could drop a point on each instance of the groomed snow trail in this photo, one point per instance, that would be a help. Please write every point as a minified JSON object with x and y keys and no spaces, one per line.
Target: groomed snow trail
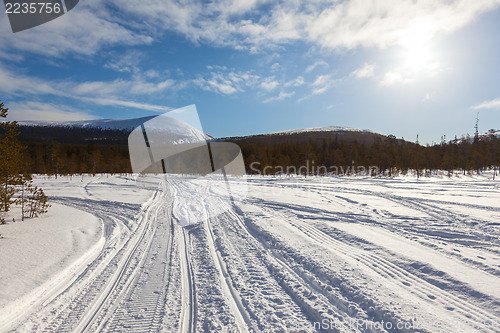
{"x":314,"y":254}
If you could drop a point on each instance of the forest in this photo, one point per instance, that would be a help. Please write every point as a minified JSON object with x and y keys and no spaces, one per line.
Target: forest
{"x":389,"y":156}
{"x":75,"y":151}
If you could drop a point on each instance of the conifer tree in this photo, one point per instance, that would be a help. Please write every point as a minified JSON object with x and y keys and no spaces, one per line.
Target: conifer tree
{"x":12,"y":175}
{"x":11,"y":161}
{"x":37,"y":202}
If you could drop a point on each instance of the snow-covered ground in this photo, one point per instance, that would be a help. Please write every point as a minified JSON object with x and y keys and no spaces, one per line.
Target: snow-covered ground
{"x":341,"y":254}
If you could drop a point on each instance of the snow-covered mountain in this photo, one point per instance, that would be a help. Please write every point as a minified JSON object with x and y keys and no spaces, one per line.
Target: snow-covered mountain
{"x":168,"y":130}
{"x":173,"y":126}
{"x":494,"y":133}
{"x":470,"y":138}
{"x":315,"y":134}
{"x":157,"y":126}
{"x":323,"y":129}
{"x":120,"y":124}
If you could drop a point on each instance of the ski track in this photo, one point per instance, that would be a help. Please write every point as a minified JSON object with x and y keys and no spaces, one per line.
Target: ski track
{"x":296,"y":215}
{"x":272,"y":263}
{"x":390,"y":271}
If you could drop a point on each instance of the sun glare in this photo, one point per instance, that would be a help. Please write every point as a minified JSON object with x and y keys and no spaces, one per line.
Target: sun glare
{"x":417,"y":57}
{"x":417,"y":52}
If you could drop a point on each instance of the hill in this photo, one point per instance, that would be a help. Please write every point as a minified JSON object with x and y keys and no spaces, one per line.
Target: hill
{"x":483,"y":136}
{"x":108,"y":131}
{"x":104,"y":124}
{"x":313,"y":135}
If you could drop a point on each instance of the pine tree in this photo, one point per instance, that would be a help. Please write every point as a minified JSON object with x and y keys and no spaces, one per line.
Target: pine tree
{"x":11,"y":160}
{"x":476,"y":132}
{"x":37,"y":202}
{"x":12,"y":175}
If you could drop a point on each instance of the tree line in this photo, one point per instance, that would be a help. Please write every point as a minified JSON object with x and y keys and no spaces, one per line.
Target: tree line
{"x":389,"y":156}
{"x":67,"y":151}
{"x":55,"y":158}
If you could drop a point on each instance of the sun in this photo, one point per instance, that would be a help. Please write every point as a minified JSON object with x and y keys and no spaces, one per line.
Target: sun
{"x":417,"y":54}
{"x":417,"y":57}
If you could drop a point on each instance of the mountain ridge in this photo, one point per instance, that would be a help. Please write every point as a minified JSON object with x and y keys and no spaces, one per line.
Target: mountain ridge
{"x":293,"y":135}
{"x":119,"y":124}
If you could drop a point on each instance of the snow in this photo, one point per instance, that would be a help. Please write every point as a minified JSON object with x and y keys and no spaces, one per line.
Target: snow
{"x":324,"y":129}
{"x":470,"y":138}
{"x":130,"y":124}
{"x":296,"y":254}
{"x":120,"y":124}
{"x":337,"y":129}
{"x":38,"y":254}
{"x":158,"y":126}
{"x":479,"y":280}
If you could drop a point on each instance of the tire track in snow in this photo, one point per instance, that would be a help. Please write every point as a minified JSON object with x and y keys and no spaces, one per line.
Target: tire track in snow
{"x":232,"y":297}
{"x":187,"y":319}
{"x":460,"y":229}
{"x":390,"y":271}
{"x":64,"y":313}
{"x":316,"y":303}
{"x":143,"y":299}
{"x":379,"y":264}
{"x":285,"y":276}
{"x":119,"y":277}
{"x":188,"y":312}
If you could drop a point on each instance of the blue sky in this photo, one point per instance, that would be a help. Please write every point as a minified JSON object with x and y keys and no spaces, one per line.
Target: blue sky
{"x":398,"y":67}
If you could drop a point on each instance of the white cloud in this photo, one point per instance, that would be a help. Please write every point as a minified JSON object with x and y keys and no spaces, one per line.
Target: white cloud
{"x":322,"y":84}
{"x":128,"y":62}
{"x":282,"y":95}
{"x":321,"y":80}
{"x":391,"y":22}
{"x":297,"y":82}
{"x":213,"y":85}
{"x":406,"y":73}
{"x":86,"y":29}
{"x":219,"y":83}
{"x":96,"y":92}
{"x":252,"y":25}
{"x":19,"y":84}
{"x":16,"y":83}
{"x":393,"y":78}
{"x":329,"y":24}
{"x":493,"y":104}
{"x":142,"y":87}
{"x":269,"y":83}
{"x":320,"y":90}
{"x":128,"y":104}
{"x":222,"y":80}
{"x":45,"y":111}
{"x":316,"y":64}
{"x":28,"y":110}
{"x":364,"y":72}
